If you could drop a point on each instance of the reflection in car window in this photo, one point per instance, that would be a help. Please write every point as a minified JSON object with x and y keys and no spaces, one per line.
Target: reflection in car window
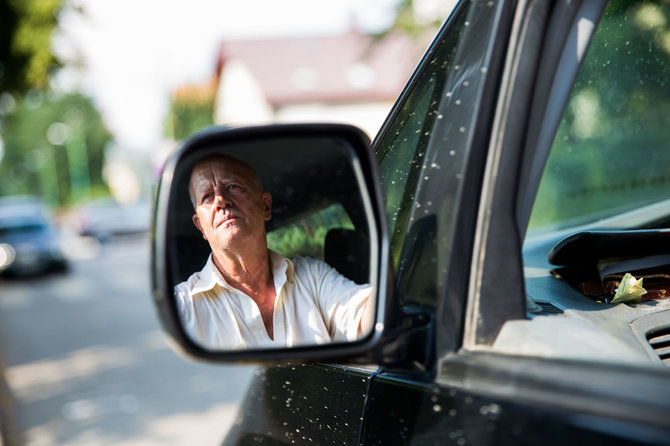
{"x":612,"y":149}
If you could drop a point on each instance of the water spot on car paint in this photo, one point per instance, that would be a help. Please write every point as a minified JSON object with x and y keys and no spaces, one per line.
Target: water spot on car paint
{"x":483,"y":70}
{"x":461,"y":129}
{"x":437,"y":408}
{"x":466,"y":84}
{"x":458,"y":102}
{"x":452,"y":412}
{"x":439,"y":116}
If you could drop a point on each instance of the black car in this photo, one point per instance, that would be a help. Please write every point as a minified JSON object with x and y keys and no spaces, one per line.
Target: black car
{"x":29,"y":242}
{"x":513,"y":218}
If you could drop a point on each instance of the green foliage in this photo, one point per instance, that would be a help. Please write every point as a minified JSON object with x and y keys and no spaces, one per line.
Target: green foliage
{"x":26,"y":27}
{"x":612,"y":149}
{"x":407,"y":20}
{"x":54,"y":148}
{"x":307,"y":236}
{"x":189,"y":113}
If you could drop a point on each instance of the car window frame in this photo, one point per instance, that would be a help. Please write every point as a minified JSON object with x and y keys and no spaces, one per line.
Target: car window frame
{"x":443,"y":325}
{"x":548,"y":44}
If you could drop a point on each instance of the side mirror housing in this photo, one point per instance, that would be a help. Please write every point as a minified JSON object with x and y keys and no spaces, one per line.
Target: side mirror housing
{"x":326,"y":206}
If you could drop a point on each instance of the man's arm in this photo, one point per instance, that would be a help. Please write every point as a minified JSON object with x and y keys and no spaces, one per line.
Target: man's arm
{"x":368,"y":318}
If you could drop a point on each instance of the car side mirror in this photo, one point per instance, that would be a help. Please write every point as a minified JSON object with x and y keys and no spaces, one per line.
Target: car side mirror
{"x":326,"y":239}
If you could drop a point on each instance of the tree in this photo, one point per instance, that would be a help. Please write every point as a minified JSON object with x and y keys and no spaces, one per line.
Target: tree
{"x":54,"y":147}
{"x":26,"y":59}
{"x":191,"y":109}
{"x":610,"y":147}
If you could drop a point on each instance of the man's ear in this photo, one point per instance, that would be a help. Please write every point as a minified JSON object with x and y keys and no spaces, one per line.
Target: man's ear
{"x":196,"y":222}
{"x":267,"y":201}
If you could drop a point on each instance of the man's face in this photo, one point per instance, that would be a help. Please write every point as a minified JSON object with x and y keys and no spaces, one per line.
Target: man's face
{"x":230,"y":206}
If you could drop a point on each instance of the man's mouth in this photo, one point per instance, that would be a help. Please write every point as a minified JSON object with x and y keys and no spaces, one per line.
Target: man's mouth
{"x":225,"y":219}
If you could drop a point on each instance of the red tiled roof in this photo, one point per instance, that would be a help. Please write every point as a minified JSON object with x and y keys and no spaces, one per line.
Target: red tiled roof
{"x":345,"y":68}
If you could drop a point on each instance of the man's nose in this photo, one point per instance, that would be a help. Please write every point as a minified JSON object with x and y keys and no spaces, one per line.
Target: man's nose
{"x":222,"y":199}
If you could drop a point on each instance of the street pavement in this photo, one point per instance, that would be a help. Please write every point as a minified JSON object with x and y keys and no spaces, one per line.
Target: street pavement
{"x":83,"y":360}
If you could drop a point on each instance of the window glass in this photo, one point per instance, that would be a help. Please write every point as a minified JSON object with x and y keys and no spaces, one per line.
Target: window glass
{"x":402,"y":150}
{"x":612,"y":149}
{"x":423,"y":155}
{"x":306,"y":237}
{"x":596,"y":286}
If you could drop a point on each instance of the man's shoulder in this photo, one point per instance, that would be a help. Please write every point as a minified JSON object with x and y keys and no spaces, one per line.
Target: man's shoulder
{"x":306,"y":262}
{"x":309,"y":266}
{"x":196,"y":282}
{"x":189,"y":284}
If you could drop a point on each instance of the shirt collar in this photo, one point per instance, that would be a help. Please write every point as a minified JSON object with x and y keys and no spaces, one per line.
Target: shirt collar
{"x":210,"y":277}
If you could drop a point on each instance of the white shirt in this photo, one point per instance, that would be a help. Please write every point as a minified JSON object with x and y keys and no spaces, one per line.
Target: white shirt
{"x":314,"y":304}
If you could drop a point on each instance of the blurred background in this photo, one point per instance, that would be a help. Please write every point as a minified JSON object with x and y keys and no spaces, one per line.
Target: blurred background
{"x":94,"y":95}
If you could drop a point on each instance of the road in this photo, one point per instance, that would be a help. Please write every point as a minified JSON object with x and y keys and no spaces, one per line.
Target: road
{"x":86,"y":363}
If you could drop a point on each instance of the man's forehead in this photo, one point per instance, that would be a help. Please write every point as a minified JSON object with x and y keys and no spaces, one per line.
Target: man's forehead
{"x":223,"y":169}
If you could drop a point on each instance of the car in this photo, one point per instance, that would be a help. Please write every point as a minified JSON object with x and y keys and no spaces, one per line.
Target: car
{"x":105,"y":218}
{"x":29,"y":242}
{"x":513,"y":219}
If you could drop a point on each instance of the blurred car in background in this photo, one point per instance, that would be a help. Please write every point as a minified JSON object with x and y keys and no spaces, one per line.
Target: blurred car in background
{"x":106,"y":218}
{"x":30,"y":243}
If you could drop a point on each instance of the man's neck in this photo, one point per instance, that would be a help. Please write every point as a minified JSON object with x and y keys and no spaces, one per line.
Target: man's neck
{"x":250,"y":273}
{"x":248,"y":270}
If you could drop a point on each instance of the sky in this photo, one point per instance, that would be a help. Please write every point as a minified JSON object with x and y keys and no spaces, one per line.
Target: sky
{"x":134,"y":52}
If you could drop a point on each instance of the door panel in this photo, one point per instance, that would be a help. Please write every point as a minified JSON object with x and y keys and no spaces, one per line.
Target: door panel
{"x":302,"y":404}
{"x":413,"y":413}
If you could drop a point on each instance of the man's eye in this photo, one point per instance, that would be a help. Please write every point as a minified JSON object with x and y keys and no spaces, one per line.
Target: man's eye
{"x":233,"y":186}
{"x":207,"y":196}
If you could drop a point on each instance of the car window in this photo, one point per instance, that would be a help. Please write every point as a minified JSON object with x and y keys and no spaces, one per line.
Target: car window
{"x":401,"y":152}
{"x":612,"y":149}
{"x":423,"y":152}
{"x":306,"y":237}
{"x":595,"y":256}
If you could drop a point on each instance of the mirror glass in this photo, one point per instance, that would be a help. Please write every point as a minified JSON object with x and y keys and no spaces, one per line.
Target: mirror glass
{"x":269,"y":243}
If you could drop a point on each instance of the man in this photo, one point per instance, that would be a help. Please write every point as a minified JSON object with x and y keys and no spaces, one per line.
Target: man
{"x":247,"y":295}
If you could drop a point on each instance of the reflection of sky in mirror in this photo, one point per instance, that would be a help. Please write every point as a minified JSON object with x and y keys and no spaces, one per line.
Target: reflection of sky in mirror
{"x":135,"y":52}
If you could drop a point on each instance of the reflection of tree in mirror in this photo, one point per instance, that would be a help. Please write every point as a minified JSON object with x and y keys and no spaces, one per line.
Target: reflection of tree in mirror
{"x":611,"y":149}
{"x":306,"y":236}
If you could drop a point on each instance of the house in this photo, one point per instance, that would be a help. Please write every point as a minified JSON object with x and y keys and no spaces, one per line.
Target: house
{"x":351,"y":78}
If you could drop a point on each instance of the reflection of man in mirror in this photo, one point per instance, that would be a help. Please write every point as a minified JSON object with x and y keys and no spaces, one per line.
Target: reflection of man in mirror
{"x":247,"y":295}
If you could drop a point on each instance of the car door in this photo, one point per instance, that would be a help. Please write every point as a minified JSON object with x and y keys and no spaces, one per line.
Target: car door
{"x":325,"y":403}
{"x":458,"y":219}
